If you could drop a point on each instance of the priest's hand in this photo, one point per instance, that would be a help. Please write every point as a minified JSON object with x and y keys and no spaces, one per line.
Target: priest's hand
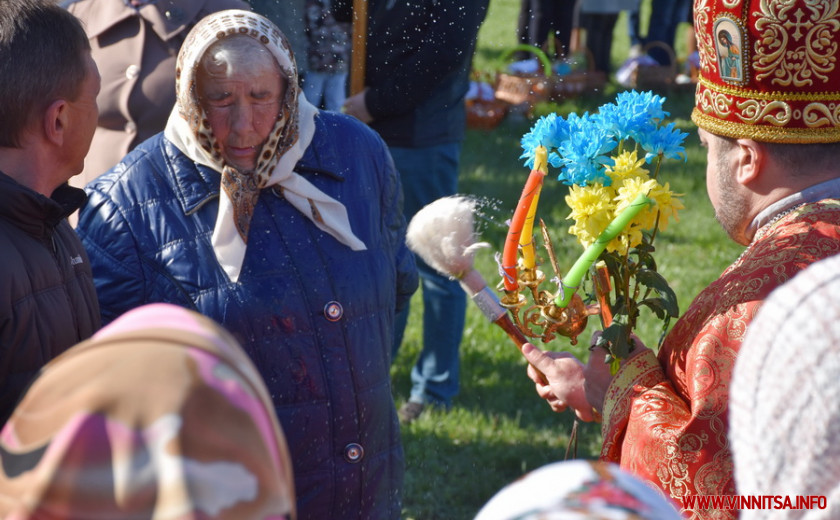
{"x":596,"y":373}
{"x":564,"y":375}
{"x":355,"y":106}
{"x":597,"y":377}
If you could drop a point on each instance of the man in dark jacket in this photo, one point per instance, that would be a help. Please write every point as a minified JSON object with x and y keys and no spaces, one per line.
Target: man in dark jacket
{"x":419,"y":56}
{"x":48,"y":109}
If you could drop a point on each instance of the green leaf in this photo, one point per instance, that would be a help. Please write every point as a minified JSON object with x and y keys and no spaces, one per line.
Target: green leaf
{"x":644,"y":247}
{"x":665,"y":323}
{"x":614,"y":266}
{"x":657,"y":305}
{"x":646,"y":260}
{"x":616,"y":339}
{"x":615,"y":364}
{"x":667,"y":298}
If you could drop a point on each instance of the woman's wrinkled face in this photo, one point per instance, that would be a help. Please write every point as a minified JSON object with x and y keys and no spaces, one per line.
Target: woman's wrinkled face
{"x":241,"y":97}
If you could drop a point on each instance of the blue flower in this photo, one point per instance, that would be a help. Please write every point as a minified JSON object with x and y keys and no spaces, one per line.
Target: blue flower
{"x":644,"y":105}
{"x":633,"y":114}
{"x":580,"y":145}
{"x":666,"y":141}
{"x":548,"y":131}
{"x":584,"y":153}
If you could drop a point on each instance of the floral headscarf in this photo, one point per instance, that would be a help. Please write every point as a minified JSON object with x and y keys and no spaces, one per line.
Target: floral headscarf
{"x":187,"y":128}
{"x":578,"y":490}
{"x":159,"y":416}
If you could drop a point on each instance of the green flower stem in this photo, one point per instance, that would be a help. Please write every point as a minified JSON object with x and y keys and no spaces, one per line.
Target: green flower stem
{"x":571,"y":281}
{"x":658,"y":165}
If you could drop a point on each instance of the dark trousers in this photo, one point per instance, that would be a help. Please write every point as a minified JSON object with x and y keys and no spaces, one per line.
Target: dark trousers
{"x":599,"y":37}
{"x":540,"y":19}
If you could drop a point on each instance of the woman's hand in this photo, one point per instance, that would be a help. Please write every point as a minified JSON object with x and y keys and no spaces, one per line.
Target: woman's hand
{"x":355,"y":106}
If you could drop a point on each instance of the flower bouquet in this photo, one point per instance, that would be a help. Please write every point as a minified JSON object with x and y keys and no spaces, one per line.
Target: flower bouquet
{"x":612,"y":162}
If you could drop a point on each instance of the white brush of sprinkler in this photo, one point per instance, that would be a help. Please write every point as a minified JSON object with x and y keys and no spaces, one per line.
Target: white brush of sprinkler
{"x":443,"y":235}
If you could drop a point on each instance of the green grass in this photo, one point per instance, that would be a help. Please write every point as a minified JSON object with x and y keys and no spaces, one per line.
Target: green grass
{"x":498,"y":427}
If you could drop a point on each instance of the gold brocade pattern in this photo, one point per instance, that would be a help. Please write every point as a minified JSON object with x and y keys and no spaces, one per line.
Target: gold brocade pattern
{"x":766,"y":66}
{"x":667,"y":422}
{"x":705,"y":43}
{"x":710,"y":101}
{"x":792,"y":118}
{"x":776,"y":113}
{"x":796,"y":46}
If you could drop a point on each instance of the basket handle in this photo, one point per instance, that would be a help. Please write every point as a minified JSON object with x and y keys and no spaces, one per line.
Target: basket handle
{"x":667,"y":48}
{"x":536,"y":51}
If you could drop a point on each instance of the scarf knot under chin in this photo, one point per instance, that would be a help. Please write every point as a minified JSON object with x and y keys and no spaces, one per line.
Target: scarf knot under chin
{"x":243,"y":191}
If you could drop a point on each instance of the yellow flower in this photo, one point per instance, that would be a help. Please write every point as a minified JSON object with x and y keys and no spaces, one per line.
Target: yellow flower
{"x":592,"y":210}
{"x":630,"y":237}
{"x":667,"y":203}
{"x":627,"y":166}
{"x":646,"y":219}
{"x":594,"y":206}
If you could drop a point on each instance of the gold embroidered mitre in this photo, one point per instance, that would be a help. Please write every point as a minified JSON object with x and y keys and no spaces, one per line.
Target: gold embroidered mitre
{"x":769,"y":69}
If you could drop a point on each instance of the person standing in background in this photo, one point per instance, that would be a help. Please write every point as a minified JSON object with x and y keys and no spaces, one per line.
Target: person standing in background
{"x":416,"y":77}
{"x":289,"y":16}
{"x":542,"y":20}
{"x":48,"y":88}
{"x":598,"y":18}
{"x":329,"y":56}
{"x":634,"y":27}
{"x":663,"y":23}
{"x":134,"y":43}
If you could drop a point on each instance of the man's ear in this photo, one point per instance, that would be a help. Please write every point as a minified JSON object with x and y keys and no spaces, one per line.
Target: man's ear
{"x":55,"y":121}
{"x":751,"y":158}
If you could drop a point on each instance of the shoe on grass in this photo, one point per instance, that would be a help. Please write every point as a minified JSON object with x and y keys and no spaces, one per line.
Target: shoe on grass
{"x":410,"y":411}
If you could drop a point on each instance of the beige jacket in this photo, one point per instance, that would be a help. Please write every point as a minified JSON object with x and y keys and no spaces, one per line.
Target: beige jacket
{"x":135,"y":51}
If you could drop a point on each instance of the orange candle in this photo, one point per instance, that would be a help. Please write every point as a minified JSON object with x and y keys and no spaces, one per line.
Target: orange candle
{"x":524,"y":213}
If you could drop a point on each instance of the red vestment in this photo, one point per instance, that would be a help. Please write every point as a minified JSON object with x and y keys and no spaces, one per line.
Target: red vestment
{"x":666,"y":419}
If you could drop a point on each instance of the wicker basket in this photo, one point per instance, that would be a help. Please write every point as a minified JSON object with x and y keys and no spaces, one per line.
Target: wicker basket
{"x":525,"y":89}
{"x":485,"y":114}
{"x":656,"y":77}
{"x":576,"y":82}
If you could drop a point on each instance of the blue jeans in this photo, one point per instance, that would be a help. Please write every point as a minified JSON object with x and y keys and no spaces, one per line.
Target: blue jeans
{"x":633,"y":27}
{"x":665,"y":17}
{"x":428,"y":174}
{"x":325,"y":87}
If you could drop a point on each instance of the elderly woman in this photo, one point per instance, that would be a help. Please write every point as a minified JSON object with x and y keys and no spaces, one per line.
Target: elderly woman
{"x":137,"y":439}
{"x":285,"y":225}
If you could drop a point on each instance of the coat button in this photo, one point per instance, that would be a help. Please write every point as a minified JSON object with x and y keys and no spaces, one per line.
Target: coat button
{"x":174,"y":15}
{"x":132,"y":71}
{"x":353,"y":453}
{"x":333,"y":311}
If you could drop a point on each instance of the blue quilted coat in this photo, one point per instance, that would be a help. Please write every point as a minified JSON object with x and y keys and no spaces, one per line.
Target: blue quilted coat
{"x":315,"y":316}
